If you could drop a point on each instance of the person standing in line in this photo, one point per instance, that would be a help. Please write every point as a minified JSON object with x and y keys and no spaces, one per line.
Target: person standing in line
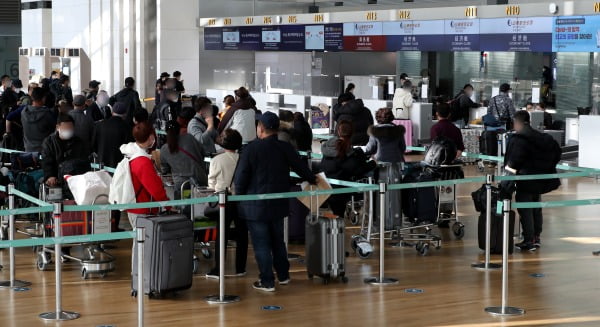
{"x":129,"y":97}
{"x":265,"y":168}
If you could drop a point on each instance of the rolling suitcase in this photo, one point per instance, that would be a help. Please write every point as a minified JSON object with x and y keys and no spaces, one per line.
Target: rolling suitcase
{"x":496,"y":233}
{"x":488,"y":143}
{"x":420,"y":204}
{"x":168,"y":254}
{"x":325,"y":253}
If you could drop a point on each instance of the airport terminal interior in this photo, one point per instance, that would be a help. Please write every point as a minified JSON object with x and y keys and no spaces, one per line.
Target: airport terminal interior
{"x":299,"y":163}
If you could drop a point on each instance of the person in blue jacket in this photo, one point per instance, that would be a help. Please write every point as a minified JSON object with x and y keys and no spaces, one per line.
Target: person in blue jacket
{"x":265,"y":168}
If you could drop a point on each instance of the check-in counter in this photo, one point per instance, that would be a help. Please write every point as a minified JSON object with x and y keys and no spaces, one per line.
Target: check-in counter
{"x":296,"y":103}
{"x":217,"y":96}
{"x":375,"y":105}
{"x":268,"y":101}
{"x":477,"y":113}
{"x":422,"y":121}
{"x":589,"y":156}
{"x":572,"y":131}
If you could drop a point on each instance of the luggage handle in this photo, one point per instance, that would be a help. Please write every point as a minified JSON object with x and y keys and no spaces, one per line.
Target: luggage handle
{"x":313,"y":219}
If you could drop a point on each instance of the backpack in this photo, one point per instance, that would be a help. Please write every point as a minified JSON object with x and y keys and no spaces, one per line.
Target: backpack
{"x":455,"y":109}
{"x":121,"y":186}
{"x":441,"y":152}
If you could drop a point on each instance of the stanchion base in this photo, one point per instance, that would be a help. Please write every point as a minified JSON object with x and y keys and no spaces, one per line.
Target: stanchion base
{"x":62,"y":316}
{"x":383,"y":282}
{"x":491,"y":266}
{"x":293,"y":256}
{"x":215,"y":299}
{"x":16,"y":284}
{"x":508,"y":311}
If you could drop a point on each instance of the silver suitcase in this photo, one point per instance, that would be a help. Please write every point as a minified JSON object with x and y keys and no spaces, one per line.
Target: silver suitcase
{"x":325,"y":251}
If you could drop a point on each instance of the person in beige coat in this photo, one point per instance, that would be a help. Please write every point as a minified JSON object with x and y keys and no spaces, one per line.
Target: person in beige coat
{"x":403,"y":101}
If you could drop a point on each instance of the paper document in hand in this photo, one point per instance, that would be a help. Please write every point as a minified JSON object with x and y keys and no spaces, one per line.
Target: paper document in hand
{"x":315,"y":202}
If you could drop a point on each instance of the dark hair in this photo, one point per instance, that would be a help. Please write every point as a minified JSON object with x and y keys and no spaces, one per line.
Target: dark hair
{"x":232,"y":139}
{"x":529,"y":104}
{"x":202,"y":102}
{"x":242,"y":93}
{"x":407,"y":84}
{"x":38,"y":94}
{"x":142,"y":131}
{"x":54,"y":72}
{"x":187,"y":113}
{"x":384,"y":116}
{"x":344,"y":141}
{"x":64,"y":78}
{"x":140,"y":115}
{"x":173,"y":128}
{"x":504,"y":87}
{"x":350,"y":87}
{"x":443,"y":110}
{"x":298,"y":116}
{"x":542,"y":105}
{"x":176,"y":73}
{"x":286,"y":115}
{"x":129,"y":82}
{"x":404,"y":76}
{"x":64,"y":118}
{"x":229,"y":100}
{"x":522,"y":116}
{"x":468,"y":86}
{"x":4,"y":77}
{"x":17,"y":83}
{"x":345,"y":97}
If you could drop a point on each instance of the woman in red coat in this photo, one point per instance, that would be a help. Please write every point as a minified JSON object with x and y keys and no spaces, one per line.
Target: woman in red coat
{"x":147,"y":184}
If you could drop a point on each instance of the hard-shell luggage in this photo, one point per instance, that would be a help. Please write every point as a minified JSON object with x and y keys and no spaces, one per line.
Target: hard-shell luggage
{"x":420,"y":204}
{"x":168,"y":254}
{"x":488,"y":143}
{"x":389,"y":173}
{"x":325,"y":252}
{"x":497,"y":232}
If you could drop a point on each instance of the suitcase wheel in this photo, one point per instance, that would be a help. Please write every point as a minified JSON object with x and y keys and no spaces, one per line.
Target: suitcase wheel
{"x":422,"y":248}
{"x":459,"y":230}
{"x":344,"y":279}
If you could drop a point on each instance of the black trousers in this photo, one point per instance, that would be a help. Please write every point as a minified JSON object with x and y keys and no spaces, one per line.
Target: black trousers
{"x":531,"y":219}
{"x":240,"y":235}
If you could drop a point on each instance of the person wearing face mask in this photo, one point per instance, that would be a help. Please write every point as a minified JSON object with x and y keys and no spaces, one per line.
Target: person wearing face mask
{"x":62,"y":147}
{"x":461,"y":106}
{"x":99,"y":109}
{"x":202,"y":127}
{"x":147,"y":184}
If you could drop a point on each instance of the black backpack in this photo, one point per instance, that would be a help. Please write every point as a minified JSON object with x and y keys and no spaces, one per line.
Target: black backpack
{"x":441,"y":152}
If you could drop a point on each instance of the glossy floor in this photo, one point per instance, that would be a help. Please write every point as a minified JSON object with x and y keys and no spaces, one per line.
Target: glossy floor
{"x":453,"y":294}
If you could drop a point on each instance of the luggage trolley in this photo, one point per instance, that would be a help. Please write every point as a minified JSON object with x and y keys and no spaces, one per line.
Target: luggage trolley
{"x":446,"y":195}
{"x":95,"y":259}
{"x":205,"y":229}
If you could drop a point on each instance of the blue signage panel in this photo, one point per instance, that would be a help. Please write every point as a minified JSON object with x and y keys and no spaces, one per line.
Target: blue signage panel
{"x":424,"y":35}
{"x":516,"y":34}
{"x":334,"y":37}
{"x":213,"y":38}
{"x":283,"y":38}
{"x":461,"y":35}
{"x":576,"y":34}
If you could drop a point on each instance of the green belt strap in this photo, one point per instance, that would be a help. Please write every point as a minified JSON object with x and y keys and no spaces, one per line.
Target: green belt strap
{"x":555,"y":204}
{"x":67,"y":240}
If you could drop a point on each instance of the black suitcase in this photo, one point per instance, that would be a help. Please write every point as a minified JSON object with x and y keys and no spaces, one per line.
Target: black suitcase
{"x":488,"y":143}
{"x":420,"y":204}
{"x":496,"y":234}
{"x":168,"y":254}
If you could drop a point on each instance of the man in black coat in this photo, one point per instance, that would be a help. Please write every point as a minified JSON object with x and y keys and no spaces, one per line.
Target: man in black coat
{"x":265,"y":168}
{"x":110,"y":134}
{"x":461,"y":106}
{"x":60,"y":147}
{"x":99,"y":109}
{"x":530,"y":152}
{"x":129,"y":97}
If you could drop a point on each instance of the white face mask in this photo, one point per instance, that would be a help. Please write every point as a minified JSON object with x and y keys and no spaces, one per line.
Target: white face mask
{"x":66,"y":134}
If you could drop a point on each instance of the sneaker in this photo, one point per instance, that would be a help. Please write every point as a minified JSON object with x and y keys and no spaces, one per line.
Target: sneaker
{"x":259,"y":286}
{"x":526,"y":246}
{"x":213,"y":274}
{"x":285,"y":281}
{"x":537,"y":242}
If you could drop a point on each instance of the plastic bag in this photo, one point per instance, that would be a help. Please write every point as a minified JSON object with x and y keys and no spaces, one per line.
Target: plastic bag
{"x":87,"y":187}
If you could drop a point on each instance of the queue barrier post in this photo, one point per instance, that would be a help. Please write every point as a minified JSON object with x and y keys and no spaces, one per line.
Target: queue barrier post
{"x":59,"y":314}
{"x":13,"y":282}
{"x":499,"y":163}
{"x":486,"y":265}
{"x":140,"y":238}
{"x":222,"y":298}
{"x":381,"y":280}
{"x":504,"y":309}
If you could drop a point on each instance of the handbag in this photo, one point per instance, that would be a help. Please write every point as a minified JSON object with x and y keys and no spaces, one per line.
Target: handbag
{"x":491,"y":120}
